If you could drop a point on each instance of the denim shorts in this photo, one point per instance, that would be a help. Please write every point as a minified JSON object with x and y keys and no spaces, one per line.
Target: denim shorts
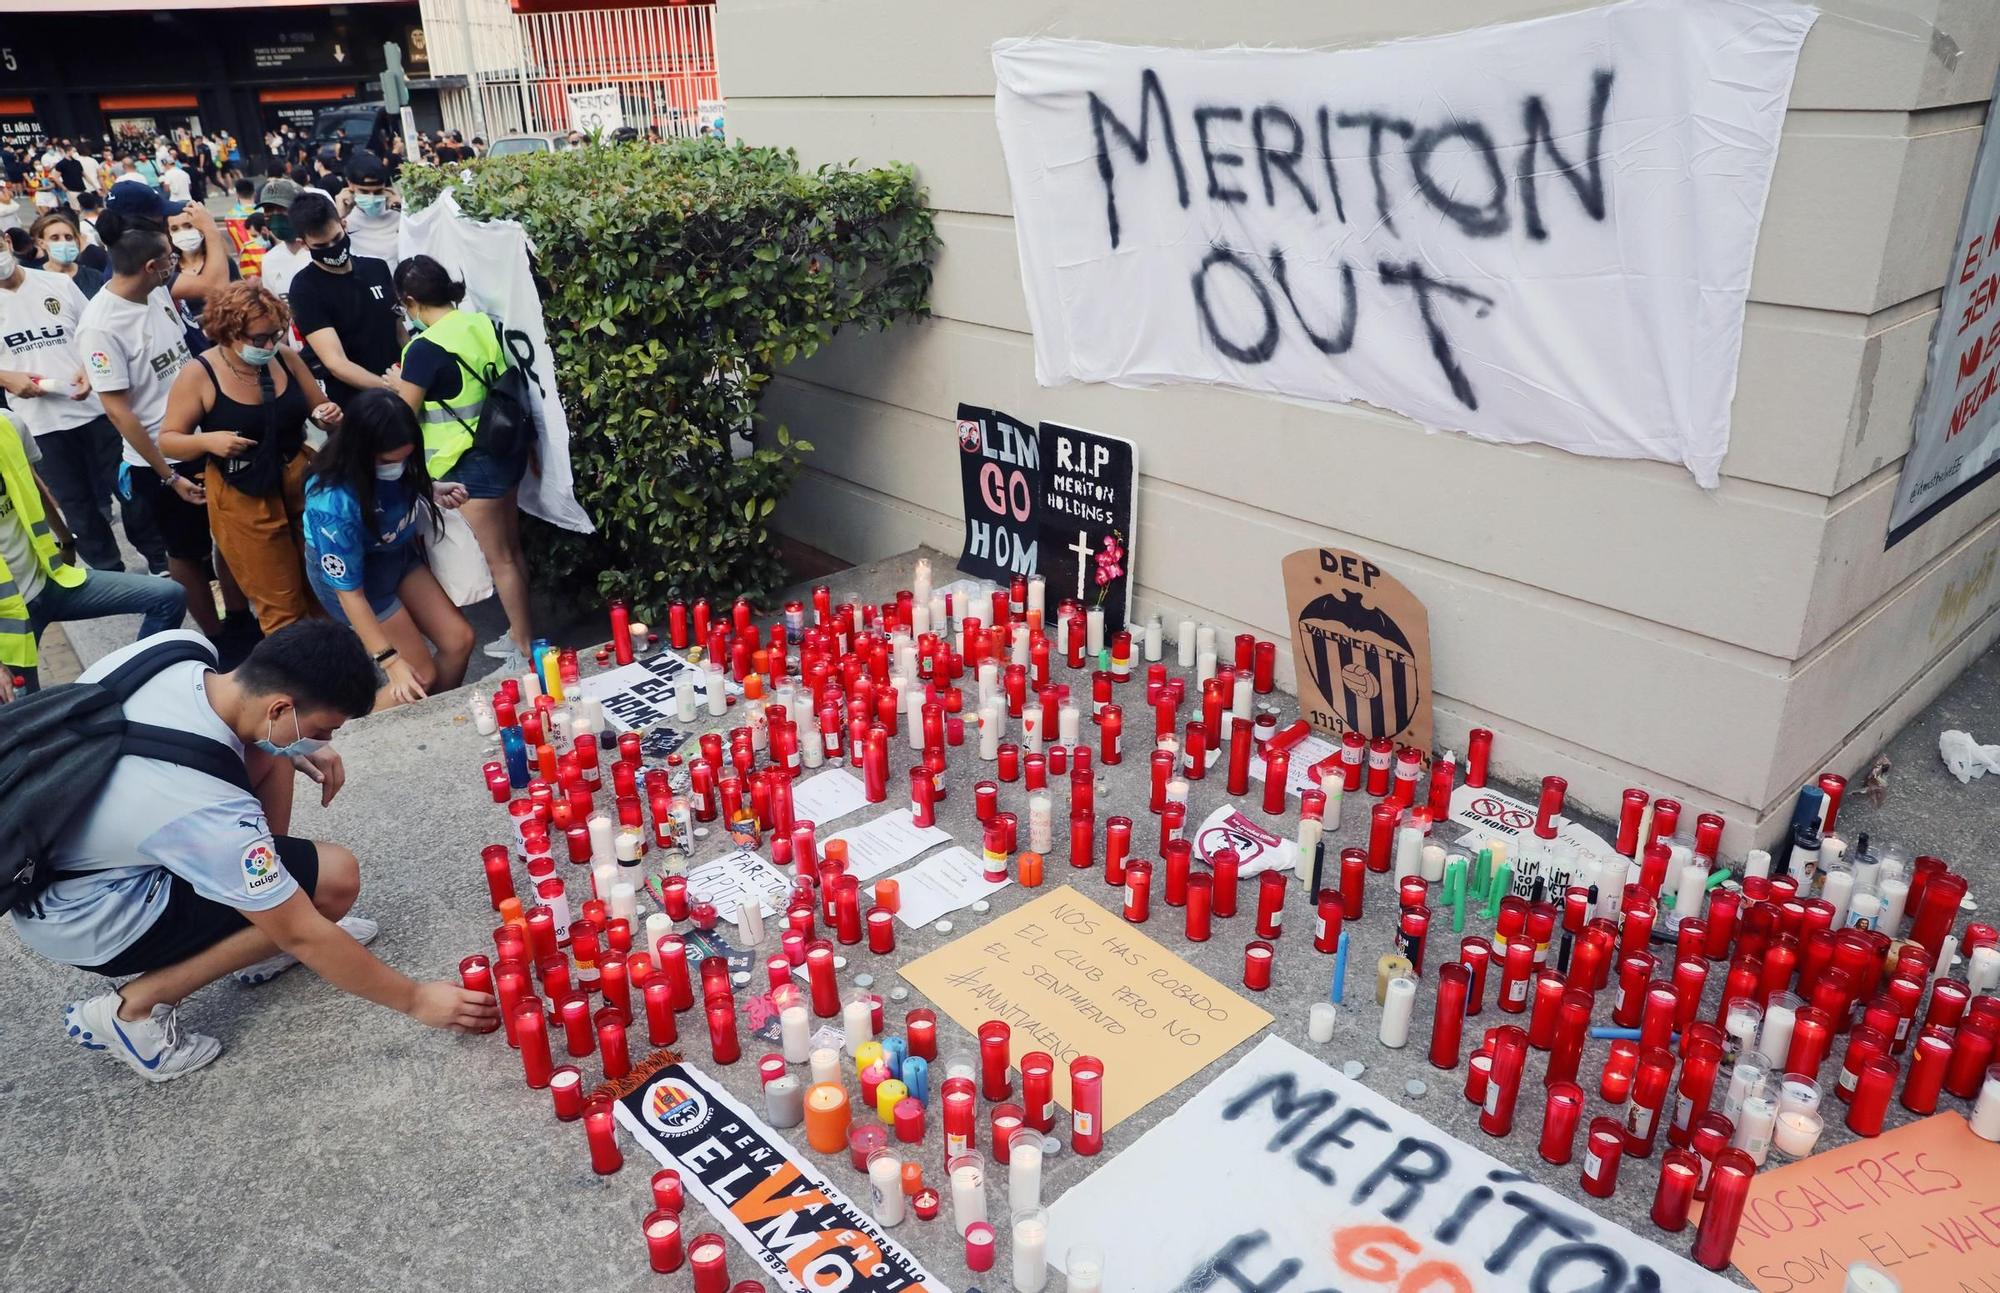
{"x":485,"y":476}
{"x":381,"y":575}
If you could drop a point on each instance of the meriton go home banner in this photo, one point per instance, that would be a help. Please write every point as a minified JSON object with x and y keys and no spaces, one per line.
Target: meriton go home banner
{"x":1540,"y":232}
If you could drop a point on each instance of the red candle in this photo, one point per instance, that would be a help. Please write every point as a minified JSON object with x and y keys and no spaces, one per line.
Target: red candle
{"x":1328,"y":919}
{"x":1117,"y":846}
{"x":599,"y":1130}
{"x":1224,"y":868}
{"x":820,"y":979}
{"x":1239,"y":756}
{"x":1603,"y":1150}
{"x":1038,"y":1090}
{"x":1200,"y":896}
{"x":1086,"y":1086}
{"x":1475,"y":954}
{"x":663,"y":1240}
{"x":1353,"y":876}
{"x":1680,"y":1171}
{"x":1621,"y":1065}
{"x":1649,"y":1096}
{"x":1448,"y":1024}
{"x":661,"y":1027}
{"x":960,"y":1122}
{"x":909,"y":1119}
{"x":1516,"y":966}
{"x":1560,"y":1114}
{"x":611,"y":1044}
{"x":1257,"y":959}
{"x":1503,"y":1082}
{"x":668,"y":1195}
{"x":1381,"y":753}
{"x":921,"y":1027}
{"x":1728,"y":1193}
{"x":1928,"y":1061}
{"x":1270,"y":904}
{"x":574,"y":1012}
{"x":1138,"y":891}
{"x":1690,"y":978}
{"x":1572,"y":1028}
{"x":709,"y":1255}
{"x":1177,"y":854}
{"x":881,"y":930}
{"x":1812,"y":1037}
{"x":1548,"y":994}
{"x":722,"y":1040}
{"x":498,"y":859}
{"x":1381,"y":834}
{"x":566,"y":1089}
{"x":994,"y":1039}
{"x":1656,"y":1019}
{"x":1871,"y":1096}
{"x":1277,"y":770}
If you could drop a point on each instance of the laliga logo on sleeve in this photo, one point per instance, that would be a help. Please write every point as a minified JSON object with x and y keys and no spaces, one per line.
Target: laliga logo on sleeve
{"x":261,"y":869}
{"x":675,"y":1108}
{"x":100,"y":362}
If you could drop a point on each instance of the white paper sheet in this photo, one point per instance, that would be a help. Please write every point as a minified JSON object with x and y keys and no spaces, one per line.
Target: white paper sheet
{"x":828,"y":796}
{"x":1305,"y":756}
{"x":886,"y":842}
{"x":943,"y":883}
{"x":729,"y":880}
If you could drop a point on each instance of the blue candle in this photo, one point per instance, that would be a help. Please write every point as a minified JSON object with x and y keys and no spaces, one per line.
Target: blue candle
{"x":1340,"y":968}
{"x":917,"y":1077}
{"x":515,"y":749}
{"x":894,"y":1052}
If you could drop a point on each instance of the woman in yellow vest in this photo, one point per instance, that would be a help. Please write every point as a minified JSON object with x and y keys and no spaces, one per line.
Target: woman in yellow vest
{"x":441,"y":380}
{"x":39,"y":582}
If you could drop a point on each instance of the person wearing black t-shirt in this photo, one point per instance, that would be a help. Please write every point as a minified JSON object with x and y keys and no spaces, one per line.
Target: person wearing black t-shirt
{"x":345,"y":305}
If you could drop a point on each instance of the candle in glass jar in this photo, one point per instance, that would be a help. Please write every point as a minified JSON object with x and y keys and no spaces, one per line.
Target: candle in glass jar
{"x":1024,"y":1169}
{"x":1031,"y":1250}
{"x":1986,"y":1110}
{"x":1797,"y":1132}
{"x":967,"y":1174}
{"x":663,"y":1241}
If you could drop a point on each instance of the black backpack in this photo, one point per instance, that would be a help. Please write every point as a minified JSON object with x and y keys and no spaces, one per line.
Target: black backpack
{"x":507,"y":417}
{"x":57,"y":748}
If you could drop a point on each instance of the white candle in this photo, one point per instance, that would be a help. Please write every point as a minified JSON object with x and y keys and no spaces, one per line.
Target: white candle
{"x":920,"y":580}
{"x":1319,"y":1021}
{"x":625,"y":903}
{"x":1204,"y":668}
{"x":658,"y":926}
{"x":1334,"y":787}
{"x":824,"y":1065}
{"x":1309,"y":837}
{"x":1756,"y":863}
{"x":812,"y":750}
{"x":1796,"y":1132}
{"x":885,"y":1182}
{"x":958,"y":1066}
{"x":1895,"y":891}
{"x":968,"y":1191}
{"x":989,"y":681}
{"x":992,"y":721}
{"x":531,"y":687}
{"x":1433,"y":863}
{"x":1038,"y":594}
{"x":482,"y":715}
{"x":1069,"y":722}
{"x":1409,"y":851}
{"x":1687,"y":894}
{"x":750,"y":921}
{"x":1241,"y":707}
{"x":1024,"y":1171}
{"x":601,"y":832}
{"x":1611,"y":885}
{"x":1204,"y":639}
{"x":1864,"y":911}
{"x":1986,"y":1112}
{"x":684,"y":697}
{"x":1155,"y":638}
{"x":1774,"y":1041}
{"x":795,"y":1034}
{"x":1041,"y":830}
{"x":717,"y":687}
{"x":857,"y":1018}
{"x":1947,"y":953}
{"x":920,"y":617}
{"x":589,"y":714}
{"x":1982,"y":973}
{"x":1062,"y":636}
{"x":1020,"y":648}
{"x":911,"y":702}
{"x":1748,"y":1078}
{"x":785,"y":1101}
{"x":1398,"y":1005}
{"x":1031,"y":728}
{"x":1177,"y":789}
{"x":1837,"y":888}
{"x":1084,"y":1268}
{"x":1863,"y":1278}
{"x":1093,"y":632}
{"x":1186,"y":655}
{"x":940,"y":618}
{"x":1753,"y":1131}
{"x":602,"y":876}
{"x":1031,"y":1252}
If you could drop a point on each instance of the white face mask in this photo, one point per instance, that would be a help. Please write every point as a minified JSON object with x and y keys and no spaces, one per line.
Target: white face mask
{"x":7,"y":263}
{"x":188,"y":239}
{"x":391,"y":470}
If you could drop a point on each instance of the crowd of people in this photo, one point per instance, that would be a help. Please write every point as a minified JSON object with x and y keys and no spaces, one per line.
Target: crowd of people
{"x":246,"y":396}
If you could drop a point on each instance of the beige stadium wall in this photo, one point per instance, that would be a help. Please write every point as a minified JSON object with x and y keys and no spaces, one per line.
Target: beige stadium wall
{"x":1614,"y":623}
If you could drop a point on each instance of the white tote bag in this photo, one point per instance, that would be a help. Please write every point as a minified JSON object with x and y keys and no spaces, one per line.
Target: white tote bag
{"x":458,"y":563}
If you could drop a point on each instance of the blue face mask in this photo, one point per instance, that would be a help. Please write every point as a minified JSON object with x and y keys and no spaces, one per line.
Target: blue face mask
{"x":371,"y":203}
{"x":256,"y":356}
{"x":65,"y":253}
{"x":301,"y":745}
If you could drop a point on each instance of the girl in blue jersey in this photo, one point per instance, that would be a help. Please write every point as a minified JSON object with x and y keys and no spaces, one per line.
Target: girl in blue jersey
{"x":369,"y":508}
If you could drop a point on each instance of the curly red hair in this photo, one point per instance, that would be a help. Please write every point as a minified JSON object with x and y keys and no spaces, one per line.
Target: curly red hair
{"x":232,"y":312}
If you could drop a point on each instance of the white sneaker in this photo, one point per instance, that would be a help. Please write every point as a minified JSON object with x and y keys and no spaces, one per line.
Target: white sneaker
{"x":501,"y":647}
{"x":363,"y":929}
{"x":155,"y":1047}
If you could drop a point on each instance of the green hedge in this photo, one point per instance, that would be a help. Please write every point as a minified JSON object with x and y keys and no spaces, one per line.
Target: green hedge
{"x":675,"y":279}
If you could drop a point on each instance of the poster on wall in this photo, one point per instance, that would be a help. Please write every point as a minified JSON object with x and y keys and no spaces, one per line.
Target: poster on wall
{"x":1361,"y":644}
{"x":1090,"y":506}
{"x":1000,"y":476}
{"x":1311,"y":1181}
{"x":1537,"y":232}
{"x":595,"y":111}
{"x":1955,"y":447}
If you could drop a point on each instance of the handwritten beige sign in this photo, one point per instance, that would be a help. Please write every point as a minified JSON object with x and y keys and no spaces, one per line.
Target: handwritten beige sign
{"x":1918,"y":1203}
{"x":1074,"y":979}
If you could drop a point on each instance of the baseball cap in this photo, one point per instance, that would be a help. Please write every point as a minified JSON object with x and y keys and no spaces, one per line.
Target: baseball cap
{"x":365,"y":168}
{"x":279,"y":193}
{"x":141,"y":202}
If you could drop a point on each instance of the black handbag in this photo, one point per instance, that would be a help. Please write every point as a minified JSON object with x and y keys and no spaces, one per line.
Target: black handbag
{"x":260,"y":472}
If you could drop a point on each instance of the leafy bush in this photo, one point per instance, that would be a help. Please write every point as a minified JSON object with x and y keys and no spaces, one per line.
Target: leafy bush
{"x":674,"y":280}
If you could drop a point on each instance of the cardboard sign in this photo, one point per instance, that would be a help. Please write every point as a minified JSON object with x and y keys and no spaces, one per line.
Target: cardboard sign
{"x":1073,"y":979}
{"x":1284,"y":1176}
{"x":636,"y":696}
{"x":1000,"y":475}
{"x":800,"y":1232}
{"x":1361,"y":643}
{"x":1918,"y":1203}
{"x":1090,"y":512}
